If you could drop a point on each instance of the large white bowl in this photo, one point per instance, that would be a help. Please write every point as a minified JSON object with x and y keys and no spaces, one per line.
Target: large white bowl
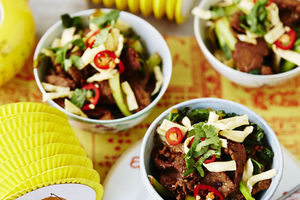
{"x":153,"y":41}
{"x":216,"y":104}
{"x":241,"y":78}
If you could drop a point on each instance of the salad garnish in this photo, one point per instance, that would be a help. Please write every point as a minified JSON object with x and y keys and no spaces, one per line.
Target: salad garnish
{"x":254,"y":36}
{"x":210,"y":154}
{"x":101,"y":69}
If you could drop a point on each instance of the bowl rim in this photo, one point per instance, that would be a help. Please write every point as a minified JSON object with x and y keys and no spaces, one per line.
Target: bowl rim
{"x":245,"y":109}
{"x":85,"y":13}
{"x":224,"y":67}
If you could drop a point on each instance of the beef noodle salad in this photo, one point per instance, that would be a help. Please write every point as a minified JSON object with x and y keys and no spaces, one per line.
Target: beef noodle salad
{"x":254,"y":36}
{"x":100,"y":70}
{"x":210,"y":154}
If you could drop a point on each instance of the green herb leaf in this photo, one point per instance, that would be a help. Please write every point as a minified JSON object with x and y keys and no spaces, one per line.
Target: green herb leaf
{"x":106,"y":19}
{"x":266,"y":155}
{"x":256,"y":20}
{"x":258,"y":167}
{"x":68,"y":21}
{"x":80,"y":43}
{"x":79,"y":97}
{"x":76,"y":61}
{"x":217,"y":12}
{"x":101,"y":37}
{"x":198,"y":115}
{"x":61,"y":55}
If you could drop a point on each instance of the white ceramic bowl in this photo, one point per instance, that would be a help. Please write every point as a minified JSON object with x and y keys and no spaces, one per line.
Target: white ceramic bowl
{"x":217,"y":104}
{"x":241,"y":78}
{"x":153,"y":41}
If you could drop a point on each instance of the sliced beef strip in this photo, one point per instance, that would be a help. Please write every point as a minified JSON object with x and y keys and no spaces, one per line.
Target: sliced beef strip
{"x":130,"y":58}
{"x":221,"y":181}
{"x":106,"y":93}
{"x":238,"y":153}
{"x":60,"y":102}
{"x":260,"y":186}
{"x":235,"y":23}
{"x":75,"y":53}
{"x":248,"y":56}
{"x":60,"y":81}
{"x":76,"y":76}
{"x":143,"y":97}
{"x":60,"y":71}
{"x":88,"y":71}
{"x":99,"y":113}
{"x":289,"y":11}
{"x":170,"y":163}
{"x":266,"y":70}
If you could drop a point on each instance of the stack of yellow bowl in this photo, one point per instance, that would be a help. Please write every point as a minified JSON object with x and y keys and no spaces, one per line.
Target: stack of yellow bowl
{"x":38,"y":148}
{"x":177,"y":10}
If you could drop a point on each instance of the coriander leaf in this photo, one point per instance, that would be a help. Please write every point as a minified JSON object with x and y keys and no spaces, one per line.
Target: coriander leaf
{"x":201,"y":151}
{"x":79,"y":43}
{"x":101,"y":37}
{"x":79,"y":97}
{"x":213,"y":140}
{"x":61,"y":55}
{"x":199,"y":169}
{"x":256,"y":20}
{"x":106,"y":19}
{"x":68,"y":21}
{"x":76,"y":61}
{"x":210,"y":131}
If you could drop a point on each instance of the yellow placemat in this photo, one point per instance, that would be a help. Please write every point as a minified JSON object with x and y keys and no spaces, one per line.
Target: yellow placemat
{"x":192,"y":77}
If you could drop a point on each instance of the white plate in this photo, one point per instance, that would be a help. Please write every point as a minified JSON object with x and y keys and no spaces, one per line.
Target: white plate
{"x":124,"y":181}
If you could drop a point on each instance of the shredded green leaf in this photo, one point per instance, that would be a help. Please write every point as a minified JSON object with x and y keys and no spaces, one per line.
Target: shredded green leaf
{"x":106,"y":19}
{"x":79,"y":97}
{"x":76,"y":61}
{"x":79,"y":43}
{"x":258,"y":167}
{"x":256,"y":20}
{"x":68,"y":21}
{"x":102,"y":36}
{"x":202,"y":148}
{"x":61,"y":54}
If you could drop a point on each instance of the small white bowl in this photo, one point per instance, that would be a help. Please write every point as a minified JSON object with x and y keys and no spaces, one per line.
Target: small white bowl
{"x":241,"y":78}
{"x":154,"y":42}
{"x":216,"y":104}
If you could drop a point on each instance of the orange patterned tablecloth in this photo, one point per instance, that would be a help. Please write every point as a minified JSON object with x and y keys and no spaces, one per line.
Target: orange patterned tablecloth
{"x":192,"y":77}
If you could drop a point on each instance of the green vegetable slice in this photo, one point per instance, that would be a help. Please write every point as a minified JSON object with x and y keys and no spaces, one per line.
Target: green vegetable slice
{"x":114,"y":84}
{"x":153,"y":60}
{"x":244,"y":190}
{"x":106,"y":19}
{"x":224,"y":34}
{"x":160,"y":188}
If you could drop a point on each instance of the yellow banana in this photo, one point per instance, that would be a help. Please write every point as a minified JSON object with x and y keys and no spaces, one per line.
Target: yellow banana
{"x":17,"y":34}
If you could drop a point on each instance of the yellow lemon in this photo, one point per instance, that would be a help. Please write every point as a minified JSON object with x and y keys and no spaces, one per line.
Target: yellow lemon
{"x":16,"y":37}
